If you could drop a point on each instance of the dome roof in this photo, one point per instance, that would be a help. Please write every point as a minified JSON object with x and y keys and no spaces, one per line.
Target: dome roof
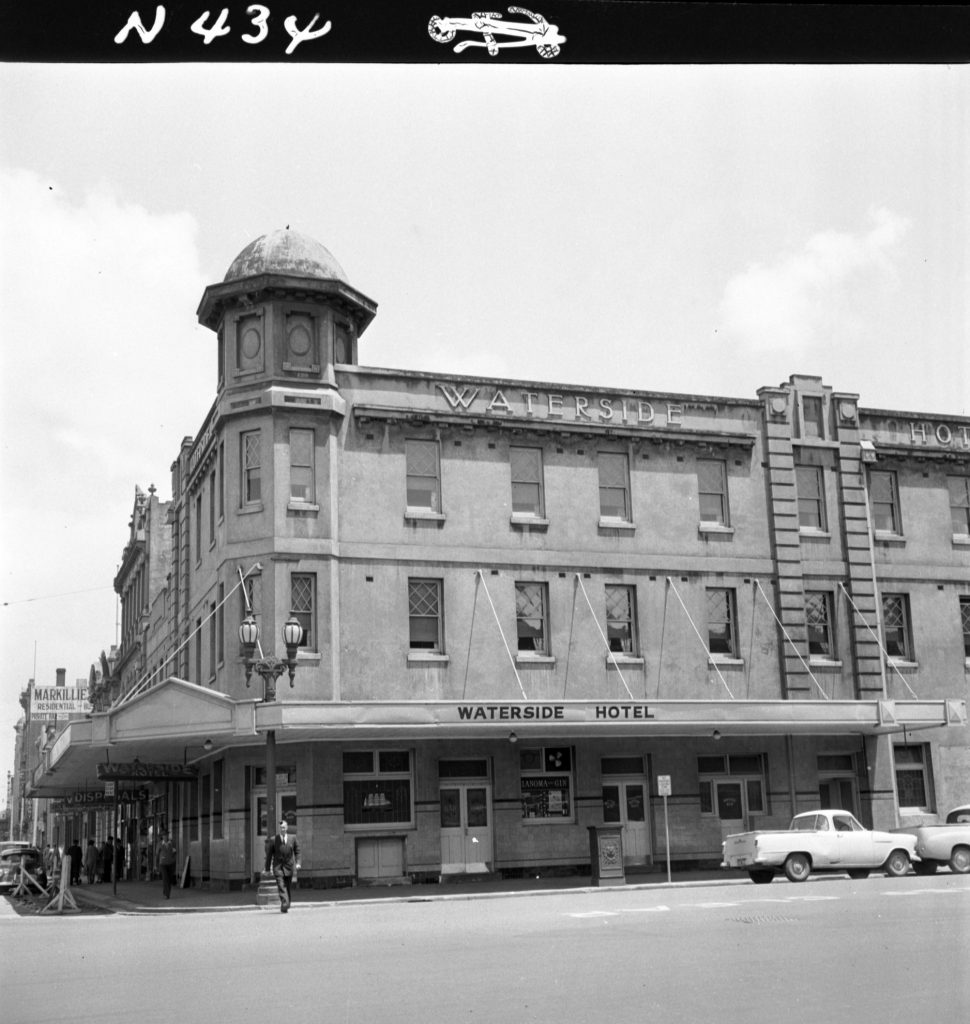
{"x":286,"y":252}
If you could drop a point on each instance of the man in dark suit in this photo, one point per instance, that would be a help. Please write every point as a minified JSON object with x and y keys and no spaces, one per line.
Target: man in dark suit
{"x":283,"y":856}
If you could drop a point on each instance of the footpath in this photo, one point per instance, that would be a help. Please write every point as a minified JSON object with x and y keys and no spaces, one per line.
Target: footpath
{"x":147,"y":898}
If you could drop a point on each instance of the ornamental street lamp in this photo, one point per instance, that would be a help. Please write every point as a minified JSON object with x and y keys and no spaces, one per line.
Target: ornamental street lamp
{"x":269,"y":669}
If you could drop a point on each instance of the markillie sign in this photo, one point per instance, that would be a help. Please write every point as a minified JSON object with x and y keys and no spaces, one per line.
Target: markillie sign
{"x":48,"y":701}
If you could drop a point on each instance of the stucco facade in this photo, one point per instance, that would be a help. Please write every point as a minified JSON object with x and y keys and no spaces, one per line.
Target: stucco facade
{"x":525,"y":602}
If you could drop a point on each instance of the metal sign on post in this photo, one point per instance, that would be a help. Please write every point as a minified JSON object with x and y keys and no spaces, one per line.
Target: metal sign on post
{"x":664,"y":789}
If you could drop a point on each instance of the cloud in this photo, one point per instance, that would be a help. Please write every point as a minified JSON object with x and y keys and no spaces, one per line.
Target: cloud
{"x":794,"y":302}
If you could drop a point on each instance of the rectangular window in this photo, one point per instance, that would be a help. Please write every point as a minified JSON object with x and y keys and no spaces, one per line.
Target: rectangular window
{"x":198,"y":651}
{"x":212,"y":508}
{"x":530,"y":618}
{"x":812,"y":422}
{"x":222,"y":480}
{"x":221,"y":625}
{"x":377,"y":788}
{"x":965,"y":622}
{"x":810,"y":486}
{"x":423,"y":479}
{"x":884,"y":502}
{"x":896,"y":627}
{"x":712,"y":491}
{"x":213,"y":640}
{"x":621,"y":619}
{"x":959,"y":488}
{"x":818,"y":617}
{"x":721,"y":622}
{"x":303,"y":588}
{"x":614,"y":477}
{"x":913,"y":777}
{"x":302,"y":487}
{"x":546,"y":783}
{"x":217,"y":799}
{"x":424,"y":615}
{"x":198,"y":527}
{"x":732,"y":787}
{"x":251,"y":467}
{"x":527,"y":491}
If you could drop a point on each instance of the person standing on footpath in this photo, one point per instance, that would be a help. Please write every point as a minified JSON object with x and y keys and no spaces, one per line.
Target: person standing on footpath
{"x":283,"y":856}
{"x":75,"y":853}
{"x":90,"y":861}
{"x":119,"y":858}
{"x":165,"y":861}
{"x":107,"y":858}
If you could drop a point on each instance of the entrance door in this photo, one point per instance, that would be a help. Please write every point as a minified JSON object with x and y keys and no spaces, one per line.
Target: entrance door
{"x":625,"y":804}
{"x":466,"y":832}
{"x":261,"y":830}
{"x":730,"y":807}
{"x":838,"y":794}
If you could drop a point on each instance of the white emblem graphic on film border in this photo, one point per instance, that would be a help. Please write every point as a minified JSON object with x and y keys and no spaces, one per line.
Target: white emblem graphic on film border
{"x":536,"y":32}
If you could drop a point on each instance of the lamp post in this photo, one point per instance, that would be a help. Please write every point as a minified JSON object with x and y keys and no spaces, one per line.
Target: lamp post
{"x":269,"y":669}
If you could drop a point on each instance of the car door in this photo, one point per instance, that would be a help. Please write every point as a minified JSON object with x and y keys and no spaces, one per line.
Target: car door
{"x":853,"y":842}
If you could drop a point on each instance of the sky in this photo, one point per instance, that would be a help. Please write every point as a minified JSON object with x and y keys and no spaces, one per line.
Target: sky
{"x":693,"y":229}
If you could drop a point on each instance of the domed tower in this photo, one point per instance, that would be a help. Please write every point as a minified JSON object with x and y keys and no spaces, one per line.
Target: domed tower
{"x":284,"y":313}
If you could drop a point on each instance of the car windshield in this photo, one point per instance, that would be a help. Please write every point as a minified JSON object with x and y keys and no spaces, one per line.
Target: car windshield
{"x":960,"y":816}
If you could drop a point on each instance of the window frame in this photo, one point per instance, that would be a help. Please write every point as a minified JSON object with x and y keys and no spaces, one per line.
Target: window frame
{"x":413,"y":445}
{"x":965,"y":624}
{"x":251,"y":469}
{"x":963,"y":505}
{"x":731,"y":622}
{"x":539,"y":781}
{"x":630,"y":592}
{"x":305,"y":616}
{"x":891,"y":502}
{"x":723,"y":521}
{"x":420,"y":649}
{"x":753,"y":783}
{"x":371,"y":780}
{"x":538,"y":508}
{"x":540,"y":589}
{"x":310,"y":496}
{"x":904,"y":630}
{"x":923,"y":767}
{"x":621,"y":459}
{"x":812,"y":502}
{"x":828,"y":607}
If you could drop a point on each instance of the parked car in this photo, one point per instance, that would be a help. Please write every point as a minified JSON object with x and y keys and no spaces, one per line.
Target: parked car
{"x":10,"y":867}
{"x":819,"y":841}
{"x":948,"y":843}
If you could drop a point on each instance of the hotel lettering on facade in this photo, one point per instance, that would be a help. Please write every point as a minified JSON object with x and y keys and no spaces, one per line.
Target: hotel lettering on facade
{"x":521,"y":602}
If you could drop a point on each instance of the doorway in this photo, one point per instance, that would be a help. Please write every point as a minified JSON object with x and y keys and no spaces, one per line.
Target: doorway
{"x":466,"y":830}
{"x":838,"y":794}
{"x":625,"y":804}
{"x":285,"y":807}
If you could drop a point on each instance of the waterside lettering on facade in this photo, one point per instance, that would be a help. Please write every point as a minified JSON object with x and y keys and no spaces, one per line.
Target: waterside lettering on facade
{"x":553,"y":406}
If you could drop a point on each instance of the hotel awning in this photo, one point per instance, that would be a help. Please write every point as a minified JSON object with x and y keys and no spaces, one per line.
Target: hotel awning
{"x":171,"y":722}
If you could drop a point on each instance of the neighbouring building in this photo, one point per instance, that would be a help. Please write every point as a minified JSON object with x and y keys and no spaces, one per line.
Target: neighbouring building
{"x":525,"y":607}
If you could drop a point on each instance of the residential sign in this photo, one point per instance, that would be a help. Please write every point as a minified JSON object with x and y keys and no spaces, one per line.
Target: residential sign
{"x":48,"y":701}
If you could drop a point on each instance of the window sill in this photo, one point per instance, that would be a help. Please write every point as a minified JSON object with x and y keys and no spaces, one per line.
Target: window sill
{"x":534,"y":659}
{"x":813,"y":533}
{"x":961,"y":540}
{"x":308,"y":658}
{"x":427,"y":658}
{"x":885,"y":537}
{"x":424,"y":514}
{"x":248,"y":510}
{"x":304,"y":507}
{"x":616,"y":524}
{"x":613,"y":660}
{"x":824,"y":664}
{"x":725,"y":661}
{"x":716,"y":528}
{"x":902,"y":664}
{"x":528,"y":521}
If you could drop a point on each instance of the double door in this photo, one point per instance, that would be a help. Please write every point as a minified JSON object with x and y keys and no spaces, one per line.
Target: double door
{"x":466,"y":830}
{"x":625,"y":804}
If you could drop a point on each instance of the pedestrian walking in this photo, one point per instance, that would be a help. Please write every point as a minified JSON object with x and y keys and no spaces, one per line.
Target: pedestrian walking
{"x":107,"y":858}
{"x":119,"y":858}
{"x":75,"y":853}
{"x":283,"y":856}
{"x":90,"y":862}
{"x":165,"y":860}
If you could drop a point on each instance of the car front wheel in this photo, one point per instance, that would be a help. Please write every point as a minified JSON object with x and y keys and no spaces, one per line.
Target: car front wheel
{"x":897,"y":864}
{"x":797,"y":867}
{"x":960,"y":860}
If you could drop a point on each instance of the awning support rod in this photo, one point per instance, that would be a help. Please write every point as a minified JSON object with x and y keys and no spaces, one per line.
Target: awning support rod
{"x":798,"y":654}
{"x":606,"y":642}
{"x":502,"y":635}
{"x":875,"y":637}
{"x":710,"y":660}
